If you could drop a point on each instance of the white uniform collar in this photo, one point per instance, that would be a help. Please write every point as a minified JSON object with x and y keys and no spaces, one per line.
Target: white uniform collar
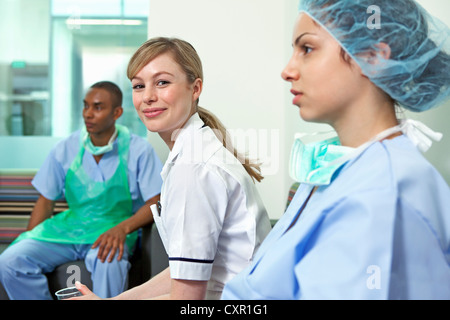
{"x":194,"y":123}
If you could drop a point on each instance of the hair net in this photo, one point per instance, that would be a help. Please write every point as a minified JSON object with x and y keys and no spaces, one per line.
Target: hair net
{"x":417,"y":72}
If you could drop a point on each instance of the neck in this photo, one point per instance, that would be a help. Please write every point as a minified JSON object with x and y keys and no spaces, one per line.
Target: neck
{"x":170,"y":136}
{"x":167,"y":138}
{"x":366,"y":120}
{"x":102,"y":138}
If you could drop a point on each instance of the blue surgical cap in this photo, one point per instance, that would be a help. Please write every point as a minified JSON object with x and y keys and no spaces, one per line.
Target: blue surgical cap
{"x":417,"y":73}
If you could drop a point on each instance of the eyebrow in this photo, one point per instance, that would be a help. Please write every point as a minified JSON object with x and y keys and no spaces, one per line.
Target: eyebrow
{"x":96,"y":103}
{"x":155,"y":75}
{"x":300,"y":36}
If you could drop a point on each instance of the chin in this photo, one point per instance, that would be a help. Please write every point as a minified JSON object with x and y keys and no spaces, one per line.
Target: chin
{"x":311,"y":115}
{"x":306,"y":116}
{"x":151,"y":125}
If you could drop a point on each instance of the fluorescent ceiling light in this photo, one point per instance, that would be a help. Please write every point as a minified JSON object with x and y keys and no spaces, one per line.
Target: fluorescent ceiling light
{"x":103,"y":22}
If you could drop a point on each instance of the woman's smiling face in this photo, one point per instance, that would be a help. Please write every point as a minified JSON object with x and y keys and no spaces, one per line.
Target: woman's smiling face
{"x":163,"y":97}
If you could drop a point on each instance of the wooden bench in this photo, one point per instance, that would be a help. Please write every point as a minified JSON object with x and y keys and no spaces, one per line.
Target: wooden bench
{"x":17,"y":199}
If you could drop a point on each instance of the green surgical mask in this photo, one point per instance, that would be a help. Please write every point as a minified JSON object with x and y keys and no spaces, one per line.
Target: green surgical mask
{"x":97,"y":150}
{"x":315,"y":163}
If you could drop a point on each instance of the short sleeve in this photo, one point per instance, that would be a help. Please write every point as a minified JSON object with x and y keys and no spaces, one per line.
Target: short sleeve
{"x":193,"y":216}
{"x":148,"y":171}
{"x":49,"y":180}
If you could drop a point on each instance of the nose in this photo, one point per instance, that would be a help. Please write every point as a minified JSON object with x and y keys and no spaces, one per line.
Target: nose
{"x":149,"y":95}
{"x":290,"y":72}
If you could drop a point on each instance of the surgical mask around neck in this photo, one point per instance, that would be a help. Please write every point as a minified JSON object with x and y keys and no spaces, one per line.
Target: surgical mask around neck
{"x":316,"y":163}
{"x":98,"y":150}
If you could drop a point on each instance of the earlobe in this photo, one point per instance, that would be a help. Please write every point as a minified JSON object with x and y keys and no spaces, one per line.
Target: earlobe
{"x":197,"y":88}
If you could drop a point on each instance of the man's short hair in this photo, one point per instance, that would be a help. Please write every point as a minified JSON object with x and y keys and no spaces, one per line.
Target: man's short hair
{"x":113,"y":89}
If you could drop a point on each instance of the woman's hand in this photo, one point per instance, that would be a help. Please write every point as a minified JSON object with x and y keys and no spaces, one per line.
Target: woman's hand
{"x":86,"y":293}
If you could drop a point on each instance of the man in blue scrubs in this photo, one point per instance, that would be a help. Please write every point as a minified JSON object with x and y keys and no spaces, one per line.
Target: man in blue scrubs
{"x":109,"y":178}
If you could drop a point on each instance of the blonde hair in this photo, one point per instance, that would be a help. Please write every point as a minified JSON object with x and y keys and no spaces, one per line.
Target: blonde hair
{"x":187,"y":58}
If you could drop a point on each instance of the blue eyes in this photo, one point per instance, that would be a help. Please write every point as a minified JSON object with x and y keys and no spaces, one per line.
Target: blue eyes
{"x":159,"y":83}
{"x":162,"y":83}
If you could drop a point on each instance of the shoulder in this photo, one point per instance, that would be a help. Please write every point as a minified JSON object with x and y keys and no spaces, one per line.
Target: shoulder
{"x":203,"y":155}
{"x":198,"y":146}
{"x":137,"y":142}
{"x":140,"y":146}
{"x":410,"y":172}
{"x":388,"y":164}
{"x":393,"y":173}
{"x":220,"y":159}
{"x":73,"y":140}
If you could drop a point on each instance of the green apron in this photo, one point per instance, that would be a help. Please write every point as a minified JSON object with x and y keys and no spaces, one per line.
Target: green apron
{"x":94,"y":206}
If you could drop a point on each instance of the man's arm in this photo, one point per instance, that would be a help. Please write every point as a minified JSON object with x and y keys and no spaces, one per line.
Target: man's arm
{"x":114,"y":239}
{"x":43,"y":209}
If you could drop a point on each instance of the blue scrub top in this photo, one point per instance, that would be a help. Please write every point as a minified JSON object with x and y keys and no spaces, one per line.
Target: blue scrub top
{"x":380,"y":230}
{"x":144,"y":168}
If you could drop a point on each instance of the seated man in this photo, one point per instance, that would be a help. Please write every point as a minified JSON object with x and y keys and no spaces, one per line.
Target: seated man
{"x":106,"y":175}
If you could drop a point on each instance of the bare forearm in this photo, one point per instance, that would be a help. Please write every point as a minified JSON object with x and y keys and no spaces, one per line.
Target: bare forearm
{"x":141,"y":218}
{"x":155,"y":287}
{"x":43,"y":209}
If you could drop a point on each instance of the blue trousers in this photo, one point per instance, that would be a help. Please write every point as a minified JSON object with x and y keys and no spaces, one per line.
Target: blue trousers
{"x":24,"y":264}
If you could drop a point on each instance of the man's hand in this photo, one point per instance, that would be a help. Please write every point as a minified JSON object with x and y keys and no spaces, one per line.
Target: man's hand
{"x":114,"y":239}
{"x":109,"y":242}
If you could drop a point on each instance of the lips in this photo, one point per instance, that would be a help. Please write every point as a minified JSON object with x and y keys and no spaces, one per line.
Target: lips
{"x":298,"y":95}
{"x":153,"y":112}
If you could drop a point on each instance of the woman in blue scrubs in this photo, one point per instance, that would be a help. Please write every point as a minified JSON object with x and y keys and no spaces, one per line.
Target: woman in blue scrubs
{"x":371,"y":218}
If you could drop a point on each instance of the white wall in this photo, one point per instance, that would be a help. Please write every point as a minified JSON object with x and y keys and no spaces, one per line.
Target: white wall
{"x":244,"y":45}
{"x":28,"y":19}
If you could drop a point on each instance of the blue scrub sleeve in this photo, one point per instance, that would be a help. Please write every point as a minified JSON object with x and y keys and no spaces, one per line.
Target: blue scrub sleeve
{"x":49,"y":180}
{"x":149,"y":173}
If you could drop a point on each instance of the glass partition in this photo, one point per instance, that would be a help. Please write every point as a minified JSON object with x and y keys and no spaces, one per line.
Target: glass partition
{"x":24,"y":67}
{"x":55,"y":50}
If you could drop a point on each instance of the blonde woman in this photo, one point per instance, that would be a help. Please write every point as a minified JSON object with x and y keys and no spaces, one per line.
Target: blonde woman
{"x":211,"y":218}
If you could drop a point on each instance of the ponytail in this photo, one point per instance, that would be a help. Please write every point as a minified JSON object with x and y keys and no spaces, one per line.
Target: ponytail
{"x":187,"y":58}
{"x":253,"y":169}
